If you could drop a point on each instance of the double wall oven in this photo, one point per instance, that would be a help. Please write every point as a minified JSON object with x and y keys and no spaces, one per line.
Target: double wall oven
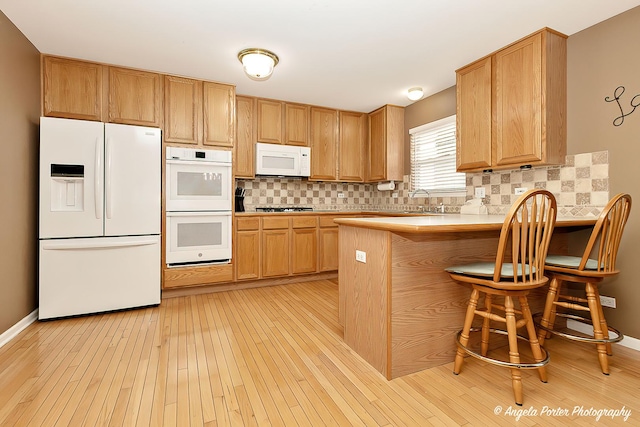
{"x":198,"y":206}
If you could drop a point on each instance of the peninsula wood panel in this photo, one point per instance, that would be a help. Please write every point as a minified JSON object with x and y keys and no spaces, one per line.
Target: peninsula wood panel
{"x":135,"y":97}
{"x":364,"y":289}
{"x":269,"y":121}
{"x":296,"y":124}
{"x":72,"y":89}
{"x":352,"y":143}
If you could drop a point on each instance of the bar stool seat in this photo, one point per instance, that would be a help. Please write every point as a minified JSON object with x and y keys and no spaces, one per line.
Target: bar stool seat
{"x":519,"y":268}
{"x":603,"y":244}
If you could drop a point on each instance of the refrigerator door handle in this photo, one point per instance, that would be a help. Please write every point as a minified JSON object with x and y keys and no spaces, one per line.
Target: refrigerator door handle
{"x":67,"y":245}
{"x":97,"y":180}
{"x":107,"y":178}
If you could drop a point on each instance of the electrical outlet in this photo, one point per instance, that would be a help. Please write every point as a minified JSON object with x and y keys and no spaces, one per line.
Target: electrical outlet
{"x":340,"y":195}
{"x":394,"y":195}
{"x":361,"y":256}
{"x":519,"y":190}
{"x":608,"y":301}
{"x":479,"y":192}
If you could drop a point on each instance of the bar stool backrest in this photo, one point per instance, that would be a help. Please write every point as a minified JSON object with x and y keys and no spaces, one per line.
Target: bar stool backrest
{"x":527,"y":231}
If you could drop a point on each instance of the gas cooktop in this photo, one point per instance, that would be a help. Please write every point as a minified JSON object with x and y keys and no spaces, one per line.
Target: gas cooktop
{"x":283,"y":209}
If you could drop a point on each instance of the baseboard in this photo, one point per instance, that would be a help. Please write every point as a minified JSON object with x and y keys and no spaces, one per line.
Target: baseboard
{"x":13,"y":331}
{"x":627,"y":341}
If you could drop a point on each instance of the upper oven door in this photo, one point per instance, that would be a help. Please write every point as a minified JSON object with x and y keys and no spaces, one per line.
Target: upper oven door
{"x":198,"y":186}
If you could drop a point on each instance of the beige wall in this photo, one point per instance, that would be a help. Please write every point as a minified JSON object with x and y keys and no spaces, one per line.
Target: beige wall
{"x":601,"y":58}
{"x":19,"y":116}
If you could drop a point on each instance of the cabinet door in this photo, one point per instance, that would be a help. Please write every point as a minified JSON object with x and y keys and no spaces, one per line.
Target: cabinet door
{"x":135,"y":97}
{"x":269,"y":121}
{"x":72,"y":89}
{"x":377,"y":170}
{"x":183,"y":110}
{"x":473,"y":116}
{"x":353,"y":139}
{"x":304,"y":253}
{"x":247,"y":255}
{"x":244,"y":161}
{"x":324,"y":130}
{"x":328,"y":245}
{"x":518,"y":102}
{"x":219,"y":114}
{"x":296,"y":124}
{"x":275,"y":252}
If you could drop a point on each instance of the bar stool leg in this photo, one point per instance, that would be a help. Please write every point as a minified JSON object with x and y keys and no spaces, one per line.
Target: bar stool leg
{"x":549,"y":314}
{"x":533,"y":339}
{"x":464,"y":336}
{"x":595,"y":309}
{"x":514,"y":355}
{"x":486,"y":323}
{"x":603,"y":322}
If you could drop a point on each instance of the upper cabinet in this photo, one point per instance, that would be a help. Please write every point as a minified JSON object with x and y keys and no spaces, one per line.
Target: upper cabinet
{"x":200,"y":113}
{"x":352,"y":144}
{"x":269,"y":121}
{"x":135,"y":97}
{"x":511,"y":106}
{"x":72,"y":89}
{"x":296,"y":128}
{"x":182,"y":110}
{"x":244,"y":149}
{"x":324,"y":138}
{"x":386,"y":144}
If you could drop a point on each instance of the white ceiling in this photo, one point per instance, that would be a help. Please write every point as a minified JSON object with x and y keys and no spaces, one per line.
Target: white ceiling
{"x":347,"y":54}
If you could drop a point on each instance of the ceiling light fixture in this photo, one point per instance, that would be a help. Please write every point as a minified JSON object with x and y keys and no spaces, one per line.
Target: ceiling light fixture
{"x":415,"y":93}
{"x":258,"y":64}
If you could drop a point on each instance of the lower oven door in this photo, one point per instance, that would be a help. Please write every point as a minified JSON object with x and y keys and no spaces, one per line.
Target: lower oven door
{"x":198,"y":237}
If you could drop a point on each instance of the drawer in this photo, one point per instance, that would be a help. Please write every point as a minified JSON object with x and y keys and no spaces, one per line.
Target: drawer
{"x":275,"y":223}
{"x":304,"y":222}
{"x":327,"y":221}
{"x":247,"y":223}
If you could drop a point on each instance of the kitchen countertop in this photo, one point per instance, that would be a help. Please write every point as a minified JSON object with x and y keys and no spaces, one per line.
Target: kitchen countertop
{"x":444,"y":223}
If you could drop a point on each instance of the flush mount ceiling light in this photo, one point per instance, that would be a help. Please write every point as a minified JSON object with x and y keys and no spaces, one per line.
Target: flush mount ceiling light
{"x":258,"y":64}
{"x":415,"y":93}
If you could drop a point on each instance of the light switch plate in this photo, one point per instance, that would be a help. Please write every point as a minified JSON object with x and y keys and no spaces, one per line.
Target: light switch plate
{"x":519,"y":190}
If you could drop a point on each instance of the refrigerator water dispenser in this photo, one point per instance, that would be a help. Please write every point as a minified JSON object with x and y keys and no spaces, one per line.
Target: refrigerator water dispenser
{"x":67,"y":188}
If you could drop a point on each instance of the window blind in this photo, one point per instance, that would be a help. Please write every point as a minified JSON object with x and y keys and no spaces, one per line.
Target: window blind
{"x":433,"y":157}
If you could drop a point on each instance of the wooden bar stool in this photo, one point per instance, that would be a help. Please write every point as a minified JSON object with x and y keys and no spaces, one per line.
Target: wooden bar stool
{"x":518,"y":268}
{"x":603,"y":245}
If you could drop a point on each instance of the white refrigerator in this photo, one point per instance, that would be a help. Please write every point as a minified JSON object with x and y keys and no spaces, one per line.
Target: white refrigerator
{"x":99,"y":223}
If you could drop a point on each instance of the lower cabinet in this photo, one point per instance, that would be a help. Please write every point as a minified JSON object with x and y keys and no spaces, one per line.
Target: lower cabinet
{"x":275,"y":246}
{"x":327,"y":244}
{"x":304,"y":244}
{"x":247,"y":248}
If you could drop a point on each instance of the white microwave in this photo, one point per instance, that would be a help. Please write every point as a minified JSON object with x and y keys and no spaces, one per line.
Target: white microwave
{"x":282,"y":160}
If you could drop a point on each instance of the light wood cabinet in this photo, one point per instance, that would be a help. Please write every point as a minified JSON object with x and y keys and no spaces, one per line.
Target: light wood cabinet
{"x":323,"y":143}
{"x":304,"y":243}
{"x":135,"y":97}
{"x":327,"y":244}
{"x":525,"y":98}
{"x":352,"y":145}
{"x":219,"y":114}
{"x":275,"y":246}
{"x":182,"y":109}
{"x":244,"y":148}
{"x":247,"y":248}
{"x":296,"y":127}
{"x":386,"y":144}
{"x":269,"y":121}
{"x":72,"y":89}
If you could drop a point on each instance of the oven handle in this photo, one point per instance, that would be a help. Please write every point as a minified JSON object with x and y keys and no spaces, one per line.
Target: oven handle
{"x":195,"y":163}
{"x":200,"y":213}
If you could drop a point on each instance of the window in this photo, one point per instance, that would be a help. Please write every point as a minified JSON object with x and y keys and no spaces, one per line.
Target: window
{"x":433,"y":158}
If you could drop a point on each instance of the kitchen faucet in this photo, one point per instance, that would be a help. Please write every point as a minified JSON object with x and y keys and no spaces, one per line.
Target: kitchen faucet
{"x":420,"y":190}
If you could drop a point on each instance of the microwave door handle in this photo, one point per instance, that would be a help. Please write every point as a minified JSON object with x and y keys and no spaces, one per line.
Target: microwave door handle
{"x":107,"y":178}
{"x":97,"y":180}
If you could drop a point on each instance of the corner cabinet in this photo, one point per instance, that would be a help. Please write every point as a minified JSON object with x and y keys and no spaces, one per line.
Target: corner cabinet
{"x":386,"y":144}
{"x":513,"y":105}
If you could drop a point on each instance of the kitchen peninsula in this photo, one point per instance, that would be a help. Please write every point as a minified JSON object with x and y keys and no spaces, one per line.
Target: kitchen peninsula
{"x":399,"y":309}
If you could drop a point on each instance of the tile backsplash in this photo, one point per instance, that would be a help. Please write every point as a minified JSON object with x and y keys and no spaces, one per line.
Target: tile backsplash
{"x":581,"y":188}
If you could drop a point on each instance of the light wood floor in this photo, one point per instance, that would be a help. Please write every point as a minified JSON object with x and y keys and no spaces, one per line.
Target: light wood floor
{"x":275,"y":356}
